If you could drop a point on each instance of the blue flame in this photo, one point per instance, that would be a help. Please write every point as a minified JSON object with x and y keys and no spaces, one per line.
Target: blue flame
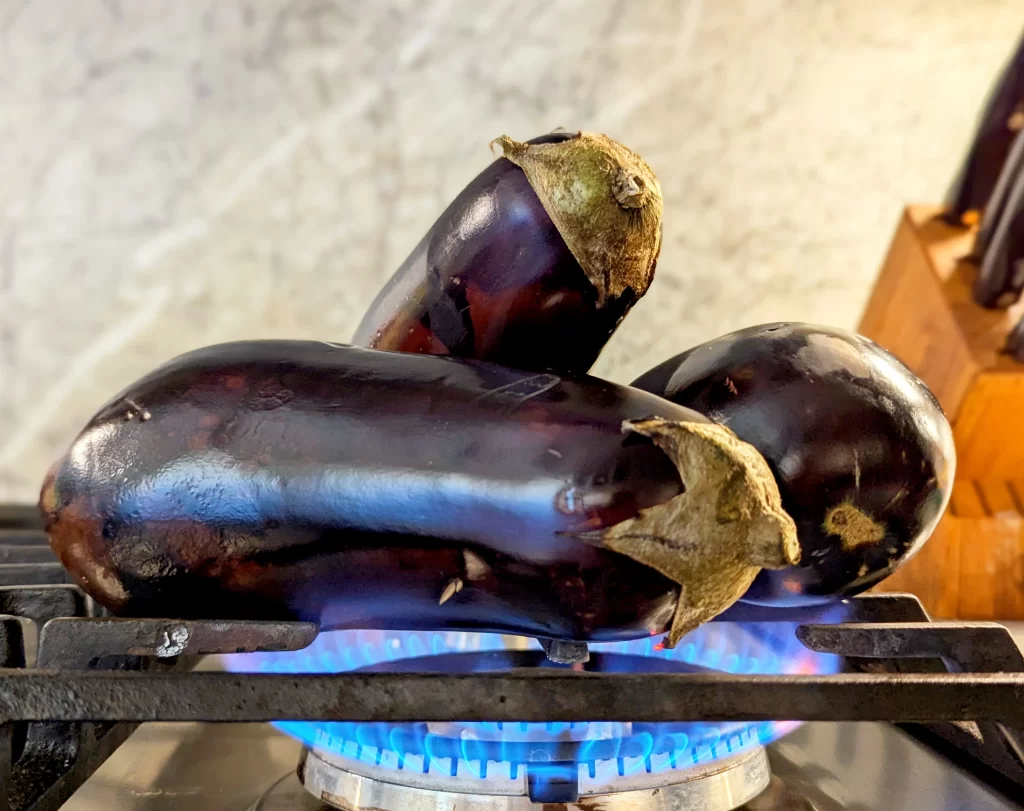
{"x":606,"y":750}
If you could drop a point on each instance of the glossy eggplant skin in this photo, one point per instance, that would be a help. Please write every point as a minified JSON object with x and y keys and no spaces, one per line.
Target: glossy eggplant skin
{"x":493,"y":280}
{"x":353,"y":487}
{"x":842,"y":423}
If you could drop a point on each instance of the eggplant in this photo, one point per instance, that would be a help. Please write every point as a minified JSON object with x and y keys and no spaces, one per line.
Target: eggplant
{"x":860,"y":449}
{"x":367,"y":489}
{"x":534,"y":264}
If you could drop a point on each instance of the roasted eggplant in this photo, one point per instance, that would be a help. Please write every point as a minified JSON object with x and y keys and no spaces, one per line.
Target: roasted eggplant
{"x":534,"y":264}
{"x":368,"y":489}
{"x":860,"y":448}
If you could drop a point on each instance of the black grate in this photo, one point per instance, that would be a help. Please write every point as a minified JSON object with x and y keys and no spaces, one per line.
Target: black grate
{"x":74,"y":684}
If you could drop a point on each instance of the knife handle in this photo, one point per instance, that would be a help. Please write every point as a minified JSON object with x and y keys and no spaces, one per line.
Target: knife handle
{"x":1001,"y":197}
{"x":1014,"y":346}
{"x":1002,"y":118}
{"x":1000,"y":279}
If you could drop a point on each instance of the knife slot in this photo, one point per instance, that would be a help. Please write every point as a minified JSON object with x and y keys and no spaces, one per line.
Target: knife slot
{"x":995,"y":284}
{"x":966,"y":501}
{"x":995,"y":494}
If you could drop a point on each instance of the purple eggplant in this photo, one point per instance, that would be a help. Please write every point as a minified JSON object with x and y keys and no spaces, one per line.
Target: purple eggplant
{"x":859,"y":446}
{"x":369,"y":489}
{"x":534,"y":264}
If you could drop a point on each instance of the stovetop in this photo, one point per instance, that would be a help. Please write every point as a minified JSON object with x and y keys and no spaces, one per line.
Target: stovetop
{"x":819,"y":767}
{"x":75,"y":684}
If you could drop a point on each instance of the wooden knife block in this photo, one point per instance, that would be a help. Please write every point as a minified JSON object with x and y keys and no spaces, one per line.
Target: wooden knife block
{"x":921,"y":310}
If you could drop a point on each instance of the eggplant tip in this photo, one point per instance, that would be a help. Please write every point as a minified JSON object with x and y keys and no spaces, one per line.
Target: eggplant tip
{"x":564,"y":652}
{"x":510,"y":148}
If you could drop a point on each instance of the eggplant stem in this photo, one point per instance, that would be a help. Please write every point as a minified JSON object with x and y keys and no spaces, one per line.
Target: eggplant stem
{"x":716,"y":536}
{"x":510,"y":148}
{"x":605,"y":202}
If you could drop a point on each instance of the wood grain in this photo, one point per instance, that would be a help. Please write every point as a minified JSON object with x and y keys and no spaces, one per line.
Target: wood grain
{"x":922,"y":575}
{"x":989,"y":430}
{"x":973,"y":565}
{"x":966,"y":501}
{"x":997,"y":498}
{"x":992,"y":567}
{"x":922,"y":311}
{"x":909,"y":315}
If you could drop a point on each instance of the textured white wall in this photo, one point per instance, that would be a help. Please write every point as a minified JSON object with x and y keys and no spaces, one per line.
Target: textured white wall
{"x":178,"y":173}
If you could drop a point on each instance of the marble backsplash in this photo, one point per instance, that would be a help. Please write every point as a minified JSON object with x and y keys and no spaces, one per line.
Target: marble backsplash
{"x":174,"y":174}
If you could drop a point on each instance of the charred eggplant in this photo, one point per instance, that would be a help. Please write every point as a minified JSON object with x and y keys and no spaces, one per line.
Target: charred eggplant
{"x":860,"y":448}
{"x":534,"y":264}
{"x":370,"y":489}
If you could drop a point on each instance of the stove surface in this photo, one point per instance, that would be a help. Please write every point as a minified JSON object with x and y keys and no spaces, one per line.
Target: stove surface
{"x":238,"y":767}
{"x":252,"y":767}
{"x":819,"y":767}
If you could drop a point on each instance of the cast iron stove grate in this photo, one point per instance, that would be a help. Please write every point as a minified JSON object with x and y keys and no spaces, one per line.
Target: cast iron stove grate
{"x":75,"y":683}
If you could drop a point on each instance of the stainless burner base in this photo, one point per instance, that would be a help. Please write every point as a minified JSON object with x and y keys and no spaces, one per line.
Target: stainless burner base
{"x":722,"y":786}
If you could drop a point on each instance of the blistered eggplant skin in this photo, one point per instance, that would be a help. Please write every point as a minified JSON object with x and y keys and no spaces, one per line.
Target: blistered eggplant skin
{"x":859,"y":447}
{"x":493,"y":280}
{"x":357,"y":488}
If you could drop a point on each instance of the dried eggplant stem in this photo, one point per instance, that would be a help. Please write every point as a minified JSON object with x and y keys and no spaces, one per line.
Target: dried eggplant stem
{"x":605,"y":201}
{"x":715,"y":537}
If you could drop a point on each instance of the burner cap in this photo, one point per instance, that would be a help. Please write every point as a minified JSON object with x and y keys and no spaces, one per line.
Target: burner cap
{"x":357,"y":786}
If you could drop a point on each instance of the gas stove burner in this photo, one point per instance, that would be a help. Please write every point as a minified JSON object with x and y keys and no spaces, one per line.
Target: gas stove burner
{"x":473,"y":766}
{"x":548,"y":763}
{"x":722,"y":785}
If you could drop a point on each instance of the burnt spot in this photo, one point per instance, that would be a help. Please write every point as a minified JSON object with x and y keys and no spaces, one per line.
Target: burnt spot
{"x":81,"y":546}
{"x":449,"y":318}
{"x":274,"y":394}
